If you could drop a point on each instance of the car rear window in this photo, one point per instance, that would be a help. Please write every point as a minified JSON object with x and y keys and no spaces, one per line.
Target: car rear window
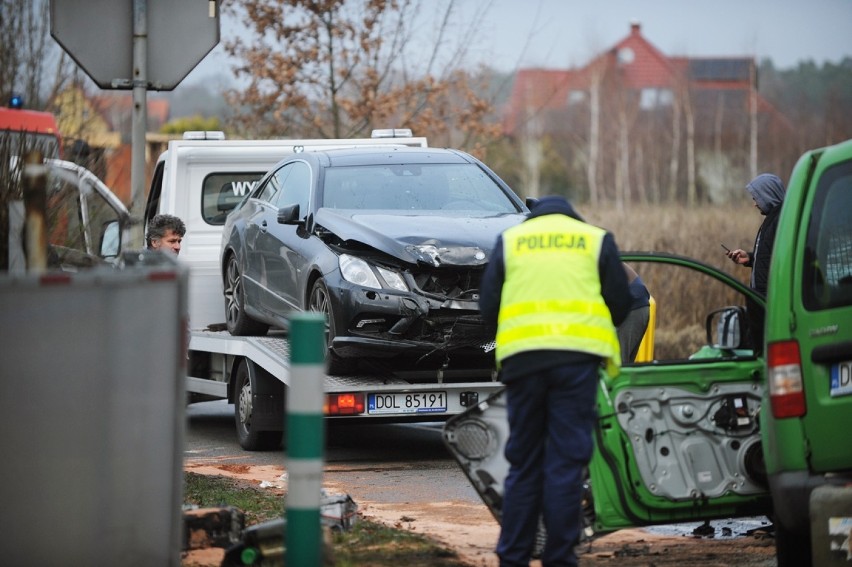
{"x":828,"y":253}
{"x":221,"y":192}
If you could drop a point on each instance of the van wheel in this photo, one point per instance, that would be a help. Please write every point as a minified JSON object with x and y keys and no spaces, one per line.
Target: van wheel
{"x":320,"y":301}
{"x":792,"y":549}
{"x":239,"y":324}
{"x":250,"y":439}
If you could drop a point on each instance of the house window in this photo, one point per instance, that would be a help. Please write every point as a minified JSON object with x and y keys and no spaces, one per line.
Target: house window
{"x":576,"y":97}
{"x":652,"y":98}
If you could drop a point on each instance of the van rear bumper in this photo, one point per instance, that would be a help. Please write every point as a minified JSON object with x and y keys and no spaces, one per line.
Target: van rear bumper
{"x":791,"y":493}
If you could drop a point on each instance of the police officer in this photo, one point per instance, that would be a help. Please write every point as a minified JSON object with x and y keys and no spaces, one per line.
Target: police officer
{"x":555,"y":289}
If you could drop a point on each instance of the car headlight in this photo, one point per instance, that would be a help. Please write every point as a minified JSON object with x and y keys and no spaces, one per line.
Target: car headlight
{"x":393,"y":279}
{"x":360,"y":272}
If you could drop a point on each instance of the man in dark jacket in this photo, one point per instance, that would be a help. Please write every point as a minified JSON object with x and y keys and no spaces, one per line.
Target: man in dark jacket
{"x":554,"y":289}
{"x":768,"y":191}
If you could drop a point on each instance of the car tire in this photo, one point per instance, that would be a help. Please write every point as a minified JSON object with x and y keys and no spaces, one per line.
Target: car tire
{"x":249,"y":438}
{"x":320,"y":302}
{"x":238,"y":322}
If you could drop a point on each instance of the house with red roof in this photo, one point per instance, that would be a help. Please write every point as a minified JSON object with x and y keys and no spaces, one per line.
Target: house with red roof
{"x":635,"y":124}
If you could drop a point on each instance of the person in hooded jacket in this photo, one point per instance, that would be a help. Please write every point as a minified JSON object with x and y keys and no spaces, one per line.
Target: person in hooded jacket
{"x":555,"y":290}
{"x":768,"y":192}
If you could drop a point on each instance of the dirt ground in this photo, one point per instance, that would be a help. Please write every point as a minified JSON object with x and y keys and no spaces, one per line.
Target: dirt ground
{"x":471,"y":531}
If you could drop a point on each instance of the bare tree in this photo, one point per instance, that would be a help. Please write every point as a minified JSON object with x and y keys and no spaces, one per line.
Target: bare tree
{"x":339,"y":68}
{"x":752,"y":107}
{"x":594,"y":133}
{"x":31,"y":64}
{"x":691,"y":165}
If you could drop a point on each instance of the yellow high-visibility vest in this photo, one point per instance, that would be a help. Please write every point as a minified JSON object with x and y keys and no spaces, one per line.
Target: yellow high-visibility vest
{"x":551,"y":296}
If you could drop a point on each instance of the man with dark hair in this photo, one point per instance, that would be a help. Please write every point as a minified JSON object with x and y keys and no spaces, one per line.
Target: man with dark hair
{"x":555,"y":289}
{"x":165,"y":232}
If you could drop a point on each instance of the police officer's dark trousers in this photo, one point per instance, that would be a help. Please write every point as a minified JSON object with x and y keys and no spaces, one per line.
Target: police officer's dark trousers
{"x":551,"y":416}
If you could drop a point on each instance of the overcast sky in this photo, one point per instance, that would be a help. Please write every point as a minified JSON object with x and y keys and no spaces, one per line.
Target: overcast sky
{"x":566,"y":33}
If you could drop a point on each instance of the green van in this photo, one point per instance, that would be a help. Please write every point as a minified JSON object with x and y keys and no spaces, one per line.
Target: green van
{"x":807,"y":415}
{"x":709,"y":428}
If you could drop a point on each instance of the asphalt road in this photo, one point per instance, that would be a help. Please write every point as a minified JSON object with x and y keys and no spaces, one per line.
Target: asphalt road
{"x":409,"y":478}
{"x":387,"y":462}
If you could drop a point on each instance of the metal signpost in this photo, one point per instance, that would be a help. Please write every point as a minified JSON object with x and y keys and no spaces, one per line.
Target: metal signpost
{"x":138,"y":45}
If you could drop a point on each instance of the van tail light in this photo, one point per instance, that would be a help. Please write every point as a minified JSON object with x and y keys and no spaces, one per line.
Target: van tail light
{"x":786,"y":390}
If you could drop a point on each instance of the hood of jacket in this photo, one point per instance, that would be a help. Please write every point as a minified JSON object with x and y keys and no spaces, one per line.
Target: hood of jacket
{"x":553,"y":204}
{"x":767,"y":190}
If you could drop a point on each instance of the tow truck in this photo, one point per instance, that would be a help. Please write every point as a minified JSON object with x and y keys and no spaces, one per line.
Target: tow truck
{"x":200,"y":178}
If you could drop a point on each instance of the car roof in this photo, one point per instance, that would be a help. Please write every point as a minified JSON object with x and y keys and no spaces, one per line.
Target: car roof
{"x":390,"y":155}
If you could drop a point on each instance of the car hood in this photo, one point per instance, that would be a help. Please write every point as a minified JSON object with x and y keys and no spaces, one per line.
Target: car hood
{"x":434,"y":239}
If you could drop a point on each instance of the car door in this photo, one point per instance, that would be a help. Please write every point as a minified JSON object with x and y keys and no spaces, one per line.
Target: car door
{"x":678,"y":435}
{"x":257,"y":215}
{"x":279,"y":245}
{"x":86,"y":221}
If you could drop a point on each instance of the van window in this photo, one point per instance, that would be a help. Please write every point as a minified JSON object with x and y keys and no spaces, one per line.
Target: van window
{"x":221,"y":192}
{"x":65,"y":215}
{"x":828,"y":252}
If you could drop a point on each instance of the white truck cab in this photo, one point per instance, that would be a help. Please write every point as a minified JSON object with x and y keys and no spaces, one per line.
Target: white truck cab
{"x":203,"y":176}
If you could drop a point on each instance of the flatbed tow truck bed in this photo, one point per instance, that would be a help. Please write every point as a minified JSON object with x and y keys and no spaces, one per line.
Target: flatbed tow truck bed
{"x":215,"y":358}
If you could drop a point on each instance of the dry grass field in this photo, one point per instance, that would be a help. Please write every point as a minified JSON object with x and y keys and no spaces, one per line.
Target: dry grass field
{"x":684,"y":298}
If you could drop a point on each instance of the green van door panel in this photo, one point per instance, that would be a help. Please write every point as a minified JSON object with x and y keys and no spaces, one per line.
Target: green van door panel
{"x":678,"y":442}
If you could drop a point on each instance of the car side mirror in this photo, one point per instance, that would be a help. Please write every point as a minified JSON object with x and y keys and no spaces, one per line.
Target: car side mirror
{"x":289,"y":214}
{"x":725,"y":327}
{"x":110,"y":244}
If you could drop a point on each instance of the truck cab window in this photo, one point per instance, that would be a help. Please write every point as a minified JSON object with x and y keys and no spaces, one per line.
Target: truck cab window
{"x":222,"y":191}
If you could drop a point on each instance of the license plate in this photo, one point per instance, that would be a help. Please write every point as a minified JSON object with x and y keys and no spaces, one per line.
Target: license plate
{"x":420,"y":402}
{"x":841,"y":378}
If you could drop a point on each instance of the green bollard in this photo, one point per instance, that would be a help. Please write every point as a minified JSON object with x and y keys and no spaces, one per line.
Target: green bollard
{"x":305,"y":440}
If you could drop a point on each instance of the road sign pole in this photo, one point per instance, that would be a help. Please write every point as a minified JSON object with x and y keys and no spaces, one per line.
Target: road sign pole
{"x":169,"y":38}
{"x":305,"y":440}
{"x":140,"y":117}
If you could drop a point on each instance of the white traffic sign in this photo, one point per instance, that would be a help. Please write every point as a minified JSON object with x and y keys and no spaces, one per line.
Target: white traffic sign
{"x":98,"y":35}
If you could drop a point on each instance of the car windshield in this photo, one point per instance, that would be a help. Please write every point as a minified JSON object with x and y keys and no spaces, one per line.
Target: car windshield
{"x":414,"y":187}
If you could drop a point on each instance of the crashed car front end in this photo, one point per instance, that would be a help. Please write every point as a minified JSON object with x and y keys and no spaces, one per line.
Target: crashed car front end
{"x":425,"y":315}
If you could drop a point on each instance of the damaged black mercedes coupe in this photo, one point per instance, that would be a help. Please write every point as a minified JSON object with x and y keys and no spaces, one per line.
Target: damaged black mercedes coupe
{"x":389,"y":242}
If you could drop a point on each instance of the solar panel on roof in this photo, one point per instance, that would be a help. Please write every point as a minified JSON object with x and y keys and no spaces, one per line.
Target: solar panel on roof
{"x":720,"y":69}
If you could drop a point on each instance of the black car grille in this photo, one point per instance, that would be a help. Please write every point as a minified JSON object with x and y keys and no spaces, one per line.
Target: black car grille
{"x":449,"y":283}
